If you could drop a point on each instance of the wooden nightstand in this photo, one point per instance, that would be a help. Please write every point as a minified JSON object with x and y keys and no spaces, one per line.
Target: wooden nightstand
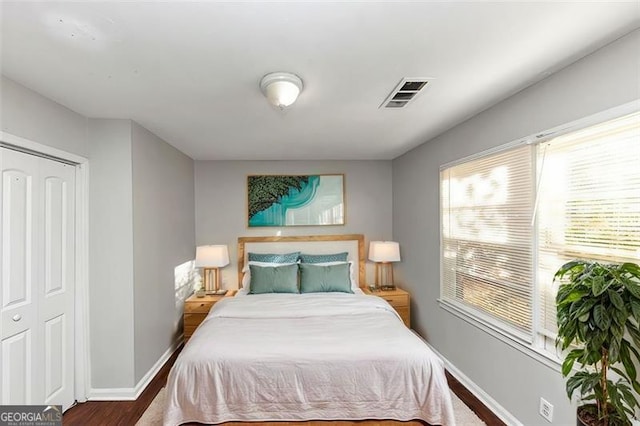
{"x":196,"y":309}
{"x":397,"y":298}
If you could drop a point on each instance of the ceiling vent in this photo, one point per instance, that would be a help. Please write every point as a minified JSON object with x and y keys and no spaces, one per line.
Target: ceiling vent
{"x":406,"y":91}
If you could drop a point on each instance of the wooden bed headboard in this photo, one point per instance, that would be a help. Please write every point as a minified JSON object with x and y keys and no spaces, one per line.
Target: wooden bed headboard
{"x":317,"y":244}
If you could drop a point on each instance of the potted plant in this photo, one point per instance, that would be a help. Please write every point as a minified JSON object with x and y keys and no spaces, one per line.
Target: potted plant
{"x":598,"y":313}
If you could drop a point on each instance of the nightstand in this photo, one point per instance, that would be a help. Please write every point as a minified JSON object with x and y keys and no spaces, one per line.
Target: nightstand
{"x":196,"y":310}
{"x":398,"y":299}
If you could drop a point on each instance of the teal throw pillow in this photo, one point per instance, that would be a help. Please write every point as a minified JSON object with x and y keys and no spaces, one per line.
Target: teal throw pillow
{"x":324,"y":258}
{"x":323,"y":279}
{"x":273,"y":279}
{"x":274,"y":257}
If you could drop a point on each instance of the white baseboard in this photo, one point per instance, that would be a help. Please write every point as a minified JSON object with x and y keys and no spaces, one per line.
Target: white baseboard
{"x":484,"y":397}
{"x":131,"y":394}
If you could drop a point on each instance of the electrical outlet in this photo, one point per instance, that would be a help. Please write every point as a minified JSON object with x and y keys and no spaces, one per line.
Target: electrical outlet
{"x":546,"y":409}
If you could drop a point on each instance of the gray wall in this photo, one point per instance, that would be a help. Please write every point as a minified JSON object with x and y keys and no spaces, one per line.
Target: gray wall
{"x":111,"y":254}
{"x":142,"y":228}
{"x":29,"y":115}
{"x":221,"y":204}
{"x":164,"y":238}
{"x":605,"y":79}
{"x":135,"y":306}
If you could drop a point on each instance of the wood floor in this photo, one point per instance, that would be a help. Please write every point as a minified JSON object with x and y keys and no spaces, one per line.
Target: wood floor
{"x":111,"y":413}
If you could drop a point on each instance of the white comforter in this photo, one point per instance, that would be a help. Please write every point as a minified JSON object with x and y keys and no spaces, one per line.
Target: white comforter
{"x":302,"y":357}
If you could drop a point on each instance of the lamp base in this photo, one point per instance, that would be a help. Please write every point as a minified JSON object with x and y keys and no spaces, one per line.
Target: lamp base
{"x":384,"y":276}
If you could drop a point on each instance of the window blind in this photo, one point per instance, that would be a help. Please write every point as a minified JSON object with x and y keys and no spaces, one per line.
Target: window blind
{"x":487,"y":265}
{"x":588,"y":202}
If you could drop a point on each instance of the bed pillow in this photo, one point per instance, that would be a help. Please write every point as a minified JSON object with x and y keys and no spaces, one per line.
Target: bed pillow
{"x":274,"y":257}
{"x":323,"y":258}
{"x":323,"y":279}
{"x":246,"y":272}
{"x":273,"y":279}
{"x":352,"y":271}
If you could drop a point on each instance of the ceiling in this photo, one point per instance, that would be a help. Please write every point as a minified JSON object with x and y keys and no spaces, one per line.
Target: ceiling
{"x":190,"y":71}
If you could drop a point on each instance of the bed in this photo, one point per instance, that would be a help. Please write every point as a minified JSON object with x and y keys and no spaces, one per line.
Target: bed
{"x":311,"y":356}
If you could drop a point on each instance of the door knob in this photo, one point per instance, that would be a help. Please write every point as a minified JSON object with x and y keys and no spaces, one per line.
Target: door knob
{"x":17,"y":317}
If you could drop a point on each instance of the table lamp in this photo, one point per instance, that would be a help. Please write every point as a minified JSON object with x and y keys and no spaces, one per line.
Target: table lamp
{"x":383,"y":253}
{"x":211,"y":259}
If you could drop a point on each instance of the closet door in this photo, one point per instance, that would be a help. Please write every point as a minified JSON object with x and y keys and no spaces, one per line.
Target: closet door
{"x":37,"y":281}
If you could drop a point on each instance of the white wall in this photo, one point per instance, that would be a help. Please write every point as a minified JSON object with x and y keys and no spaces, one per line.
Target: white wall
{"x":111,"y":254}
{"x":29,"y":115}
{"x":605,"y":79}
{"x":164,"y":238}
{"x":221,"y":201}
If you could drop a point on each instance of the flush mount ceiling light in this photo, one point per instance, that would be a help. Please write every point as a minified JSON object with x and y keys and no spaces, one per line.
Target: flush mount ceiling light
{"x":281,"y":88}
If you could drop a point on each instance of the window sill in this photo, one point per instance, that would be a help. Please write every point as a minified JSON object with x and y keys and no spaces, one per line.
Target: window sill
{"x":548,"y":359}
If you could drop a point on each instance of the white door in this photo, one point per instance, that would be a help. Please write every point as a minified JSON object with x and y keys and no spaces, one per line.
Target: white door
{"x":37,"y":285}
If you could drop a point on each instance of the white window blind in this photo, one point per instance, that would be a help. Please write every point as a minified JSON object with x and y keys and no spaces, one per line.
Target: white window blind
{"x":511,"y":218}
{"x":486,"y":207}
{"x":588,"y":202}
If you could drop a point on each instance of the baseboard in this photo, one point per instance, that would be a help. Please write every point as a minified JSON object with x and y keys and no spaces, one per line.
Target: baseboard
{"x":477,"y":391}
{"x":131,"y":394}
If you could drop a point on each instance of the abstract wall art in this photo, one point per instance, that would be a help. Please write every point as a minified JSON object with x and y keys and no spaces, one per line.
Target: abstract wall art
{"x":295,"y":200}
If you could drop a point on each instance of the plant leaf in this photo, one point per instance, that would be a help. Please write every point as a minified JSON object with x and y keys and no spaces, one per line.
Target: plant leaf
{"x":632,"y":268}
{"x":635,"y":309}
{"x":599,"y":285}
{"x":634,"y":351}
{"x":628,"y":396}
{"x":620,"y":316}
{"x":634,"y":333}
{"x":626,"y":361}
{"x":614,"y":351}
{"x":617,"y":331}
{"x":601,"y":317}
{"x":618,"y":371}
{"x":633,"y":288}
{"x":616,"y":299}
{"x":569,"y":266}
{"x":570,"y":359}
{"x":572,"y":297}
{"x":572,"y":384}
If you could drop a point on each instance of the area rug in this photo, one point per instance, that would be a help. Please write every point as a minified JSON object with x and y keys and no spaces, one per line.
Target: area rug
{"x":153,"y":415}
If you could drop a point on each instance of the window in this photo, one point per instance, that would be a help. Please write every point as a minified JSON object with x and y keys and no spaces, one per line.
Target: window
{"x":511,"y":217}
{"x":486,"y":236}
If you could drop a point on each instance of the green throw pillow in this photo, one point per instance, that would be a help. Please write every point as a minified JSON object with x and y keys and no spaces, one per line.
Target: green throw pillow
{"x":273,"y":279}
{"x":323,"y":258}
{"x":322,"y":279}
{"x":274,"y":258}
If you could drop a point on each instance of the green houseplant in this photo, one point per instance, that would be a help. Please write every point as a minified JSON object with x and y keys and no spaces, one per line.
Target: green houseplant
{"x":598,"y":312}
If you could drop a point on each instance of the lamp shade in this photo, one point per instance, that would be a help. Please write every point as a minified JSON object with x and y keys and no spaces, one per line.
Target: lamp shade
{"x":384,"y":251}
{"x":214,"y":256}
{"x":281,"y":88}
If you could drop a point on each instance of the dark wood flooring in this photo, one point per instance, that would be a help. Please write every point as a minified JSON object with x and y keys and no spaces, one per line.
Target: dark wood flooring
{"x":111,"y":413}
{"x":126,"y":413}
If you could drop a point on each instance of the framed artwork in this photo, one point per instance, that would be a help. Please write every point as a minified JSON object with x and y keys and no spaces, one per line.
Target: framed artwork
{"x":295,"y":200}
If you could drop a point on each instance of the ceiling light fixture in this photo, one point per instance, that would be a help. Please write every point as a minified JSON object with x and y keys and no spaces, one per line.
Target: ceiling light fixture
{"x":281,"y":88}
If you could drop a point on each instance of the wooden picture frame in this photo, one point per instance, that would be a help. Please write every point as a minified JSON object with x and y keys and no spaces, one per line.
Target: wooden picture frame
{"x":295,"y":200}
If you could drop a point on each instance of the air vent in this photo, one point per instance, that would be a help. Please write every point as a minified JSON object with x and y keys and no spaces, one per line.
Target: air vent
{"x":406,"y":91}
